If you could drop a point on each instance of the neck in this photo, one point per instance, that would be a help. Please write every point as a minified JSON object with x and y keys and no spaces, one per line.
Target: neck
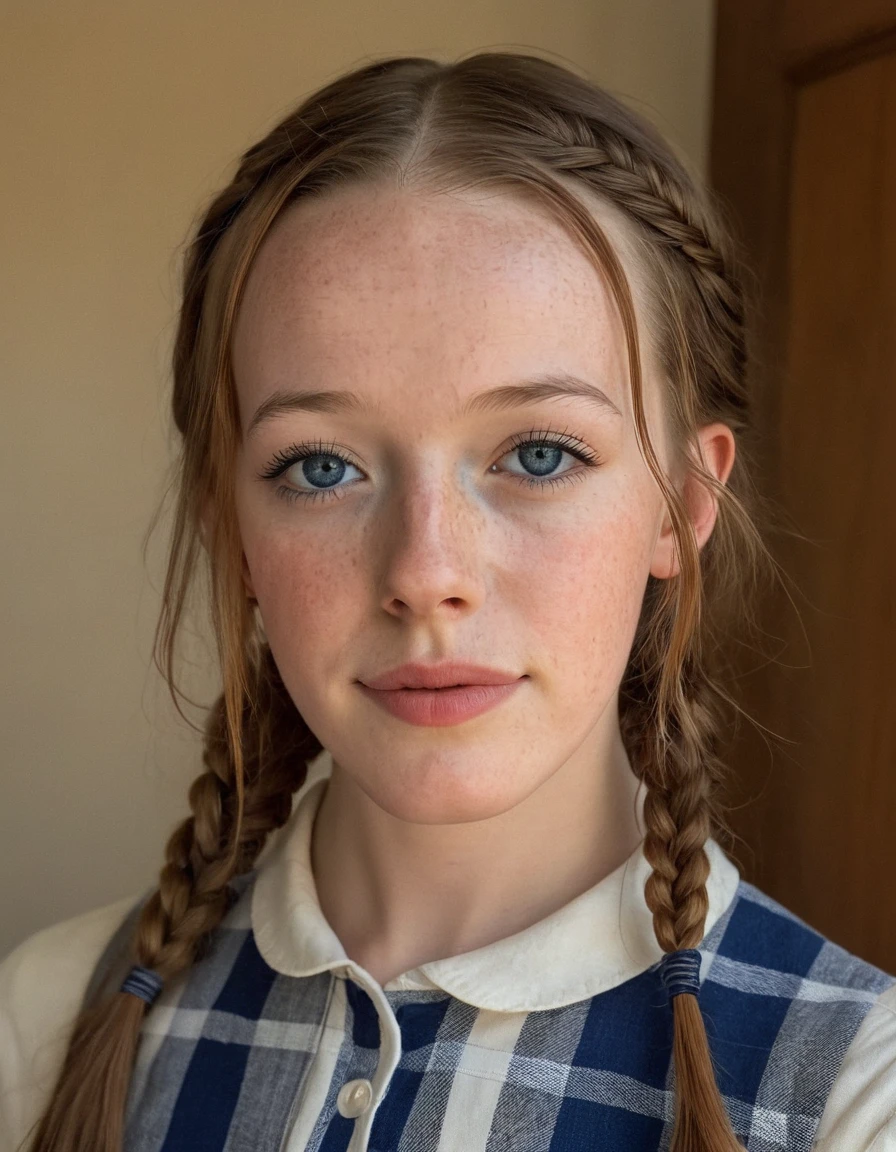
{"x":399,"y":894}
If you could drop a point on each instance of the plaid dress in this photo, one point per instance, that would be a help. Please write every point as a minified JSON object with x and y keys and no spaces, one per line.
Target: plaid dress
{"x":226,"y":1051}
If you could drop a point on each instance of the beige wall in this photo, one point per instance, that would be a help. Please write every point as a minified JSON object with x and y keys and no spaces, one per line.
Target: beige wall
{"x":119,"y":119}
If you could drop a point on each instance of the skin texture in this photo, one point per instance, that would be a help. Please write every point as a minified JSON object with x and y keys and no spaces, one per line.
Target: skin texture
{"x":434,"y":841}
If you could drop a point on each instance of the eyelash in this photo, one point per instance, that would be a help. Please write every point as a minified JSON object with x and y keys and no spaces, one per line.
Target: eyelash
{"x":298,"y":452}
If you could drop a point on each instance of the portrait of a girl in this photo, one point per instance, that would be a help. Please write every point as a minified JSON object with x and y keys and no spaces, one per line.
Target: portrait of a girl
{"x":459,"y":378}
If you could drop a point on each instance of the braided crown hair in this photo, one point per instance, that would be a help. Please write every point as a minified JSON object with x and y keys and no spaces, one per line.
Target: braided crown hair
{"x":533,"y":129}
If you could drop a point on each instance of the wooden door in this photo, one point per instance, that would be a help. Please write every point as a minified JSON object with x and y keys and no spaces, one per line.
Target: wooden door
{"x":803,"y":150}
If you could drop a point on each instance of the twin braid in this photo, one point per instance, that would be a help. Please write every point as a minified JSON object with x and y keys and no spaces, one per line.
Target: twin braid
{"x":193,"y":896}
{"x":682,"y":771}
{"x":666,"y":206}
{"x":680,"y":807}
{"x":680,"y":813}
{"x":201,"y":857}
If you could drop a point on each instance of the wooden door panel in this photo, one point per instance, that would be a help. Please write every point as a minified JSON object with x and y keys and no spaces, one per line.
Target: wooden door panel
{"x":837,"y":420}
{"x":812,"y":29}
{"x":817,"y":215}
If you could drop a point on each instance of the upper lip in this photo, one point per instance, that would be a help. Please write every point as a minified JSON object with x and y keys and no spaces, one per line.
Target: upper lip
{"x":439,"y":676}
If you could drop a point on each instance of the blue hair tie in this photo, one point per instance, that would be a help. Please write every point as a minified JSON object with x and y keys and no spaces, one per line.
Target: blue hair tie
{"x":680,"y":972}
{"x":143,"y":982}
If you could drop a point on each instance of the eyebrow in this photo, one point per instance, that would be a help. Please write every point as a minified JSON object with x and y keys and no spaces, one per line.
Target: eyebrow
{"x":548,"y":386}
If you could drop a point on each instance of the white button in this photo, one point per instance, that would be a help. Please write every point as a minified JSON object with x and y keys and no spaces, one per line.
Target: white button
{"x":354,"y":1098}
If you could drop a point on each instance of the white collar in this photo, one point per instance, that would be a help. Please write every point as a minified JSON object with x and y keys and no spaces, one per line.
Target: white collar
{"x":595,"y":942}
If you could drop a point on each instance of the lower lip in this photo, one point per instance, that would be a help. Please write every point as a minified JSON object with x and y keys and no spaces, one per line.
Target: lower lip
{"x":438,"y":707}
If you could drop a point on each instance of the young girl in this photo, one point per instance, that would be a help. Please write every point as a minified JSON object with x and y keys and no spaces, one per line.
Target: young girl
{"x":460,"y":376}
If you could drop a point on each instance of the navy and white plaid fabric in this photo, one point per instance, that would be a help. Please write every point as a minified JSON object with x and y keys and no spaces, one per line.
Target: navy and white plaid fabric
{"x":225,"y":1052}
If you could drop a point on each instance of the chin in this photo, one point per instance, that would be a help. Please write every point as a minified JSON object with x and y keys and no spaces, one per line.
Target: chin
{"x":440,"y":797}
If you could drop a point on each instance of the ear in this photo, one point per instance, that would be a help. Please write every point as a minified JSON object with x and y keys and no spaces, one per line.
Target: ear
{"x":205,"y":519}
{"x":717,"y":451}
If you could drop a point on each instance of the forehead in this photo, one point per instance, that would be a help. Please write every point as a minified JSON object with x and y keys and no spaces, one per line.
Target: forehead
{"x":434,"y":293}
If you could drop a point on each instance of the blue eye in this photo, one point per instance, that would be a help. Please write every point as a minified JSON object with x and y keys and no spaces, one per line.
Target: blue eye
{"x":324,"y":465}
{"x":320,"y":464}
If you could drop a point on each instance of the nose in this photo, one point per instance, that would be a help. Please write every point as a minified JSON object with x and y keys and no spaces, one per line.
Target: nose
{"x":433,"y":546}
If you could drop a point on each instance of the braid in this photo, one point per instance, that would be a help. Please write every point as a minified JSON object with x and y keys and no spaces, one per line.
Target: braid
{"x":675,"y":757}
{"x":671,"y":704}
{"x":680,"y":813}
{"x":192,"y":898}
{"x":660,"y":197}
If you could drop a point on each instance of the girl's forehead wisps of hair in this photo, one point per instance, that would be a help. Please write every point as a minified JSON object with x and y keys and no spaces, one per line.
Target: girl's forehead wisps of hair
{"x":624,"y":235}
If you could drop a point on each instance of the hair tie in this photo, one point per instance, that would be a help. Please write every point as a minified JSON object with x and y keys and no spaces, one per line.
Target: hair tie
{"x":143,"y":982}
{"x":680,"y":972}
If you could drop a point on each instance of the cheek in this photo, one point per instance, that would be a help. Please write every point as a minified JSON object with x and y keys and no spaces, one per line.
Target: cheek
{"x":581,"y":589}
{"x":307,"y":587}
{"x":311,"y":605}
{"x":306,"y":594}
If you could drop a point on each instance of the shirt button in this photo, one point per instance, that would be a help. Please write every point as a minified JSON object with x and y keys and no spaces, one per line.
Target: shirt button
{"x":354,"y":1098}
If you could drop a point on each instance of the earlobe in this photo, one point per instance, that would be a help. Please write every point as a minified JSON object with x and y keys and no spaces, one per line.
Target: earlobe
{"x":664,"y":563}
{"x":717,"y":449}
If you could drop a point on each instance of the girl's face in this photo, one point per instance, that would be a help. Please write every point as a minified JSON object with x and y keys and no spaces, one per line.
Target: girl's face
{"x":432,"y":522}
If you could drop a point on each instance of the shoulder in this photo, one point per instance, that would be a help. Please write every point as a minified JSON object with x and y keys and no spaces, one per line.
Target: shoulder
{"x":46,"y":976}
{"x":860,"y":1115}
{"x":42,"y":985}
{"x":763,"y":948}
{"x":829,"y":1020}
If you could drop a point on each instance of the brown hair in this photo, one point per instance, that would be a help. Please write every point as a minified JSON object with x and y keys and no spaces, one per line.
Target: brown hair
{"x":537,"y":130}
